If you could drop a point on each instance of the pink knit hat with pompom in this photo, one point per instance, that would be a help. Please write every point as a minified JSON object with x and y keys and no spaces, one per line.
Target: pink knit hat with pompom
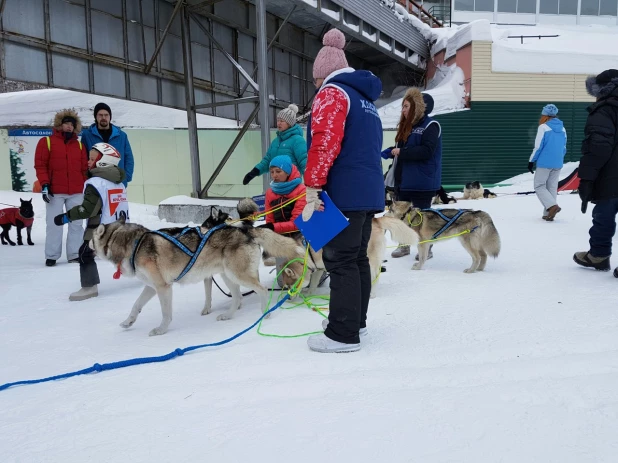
{"x":331,"y":57}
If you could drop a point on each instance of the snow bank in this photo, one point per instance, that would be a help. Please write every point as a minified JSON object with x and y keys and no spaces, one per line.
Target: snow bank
{"x":37,"y":108}
{"x":447,"y":90}
{"x":577,"y":50}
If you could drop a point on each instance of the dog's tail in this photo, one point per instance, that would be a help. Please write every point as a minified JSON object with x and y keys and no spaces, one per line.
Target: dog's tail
{"x":490,"y":238}
{"x":278,"y":245}
{"x":247,"y":208}
{"x":400,"y":232}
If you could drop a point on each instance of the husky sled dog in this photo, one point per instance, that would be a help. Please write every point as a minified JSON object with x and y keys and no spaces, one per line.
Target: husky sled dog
{"x":375,"y":251}
{"x":442,"y":198}
{"x":21,"y":217}
{"x":489,"y":194}
{"x":233,"y":251}
{"x":483,"y":240}
{"x":473,"y":190}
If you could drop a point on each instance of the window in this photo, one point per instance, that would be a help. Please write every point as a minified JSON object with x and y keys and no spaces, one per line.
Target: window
{"x":590,"y":7}
{"x":484,"y":5}
{"x":464,"y":5}
{"x":568,"y":7}
{"x":526,"y":6}
{"x":609,"y":8}
{"x":549,"y":7}
{"x":507,"y":6}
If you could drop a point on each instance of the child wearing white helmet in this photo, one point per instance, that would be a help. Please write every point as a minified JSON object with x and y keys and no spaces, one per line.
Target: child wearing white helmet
{"x":105,"y":201}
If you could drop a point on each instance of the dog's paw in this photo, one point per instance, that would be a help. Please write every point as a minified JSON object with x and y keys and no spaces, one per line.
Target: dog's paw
{"x":417,"y":266}
{"x":206,"y":310}
{"x":30,"y":243}
{"x":372,"y":296}
{"x":157,"y":331}
{"x":469,"y":270}
{"x":5,"y":244}
{"x":19,"y":243}
{"x":128,"y":323}
{"x":12,"y":244}
{"x":224,"y":316}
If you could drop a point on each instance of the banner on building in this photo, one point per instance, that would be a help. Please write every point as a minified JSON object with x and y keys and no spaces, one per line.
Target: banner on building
{"x":22,"y":145}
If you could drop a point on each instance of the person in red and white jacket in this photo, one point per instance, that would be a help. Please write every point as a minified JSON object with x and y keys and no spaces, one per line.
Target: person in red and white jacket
{"x":344,"y":139}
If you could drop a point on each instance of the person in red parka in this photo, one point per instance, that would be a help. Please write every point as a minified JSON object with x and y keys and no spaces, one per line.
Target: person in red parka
{"x":286,"y":185}
{"x":61,"y":165}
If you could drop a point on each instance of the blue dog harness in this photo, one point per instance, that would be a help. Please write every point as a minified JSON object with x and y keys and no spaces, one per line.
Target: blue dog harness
{"x":193,"y":255}
{"x":449,"y":220}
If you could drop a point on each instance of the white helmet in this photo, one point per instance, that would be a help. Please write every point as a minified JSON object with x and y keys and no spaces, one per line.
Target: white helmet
{"x":110,"y":156}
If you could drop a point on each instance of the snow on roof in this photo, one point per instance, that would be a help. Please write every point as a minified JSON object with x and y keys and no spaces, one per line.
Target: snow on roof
{"x":576,"y":50}
{"x":446,"y":88}
{"x":36,"y":108}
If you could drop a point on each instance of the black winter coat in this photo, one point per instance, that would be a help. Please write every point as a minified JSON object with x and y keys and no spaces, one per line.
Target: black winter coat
{"x":599,"y":162}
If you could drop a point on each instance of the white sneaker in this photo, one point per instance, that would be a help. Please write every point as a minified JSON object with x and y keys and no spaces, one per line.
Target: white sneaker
{"x":320,"y":343}
{"x":361,"y":332}
{"x":84,"y":293}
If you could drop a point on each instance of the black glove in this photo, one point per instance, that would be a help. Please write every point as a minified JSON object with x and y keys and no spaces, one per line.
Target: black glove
{"x":269,"y":225}
{"x":585,"y":193}
{"x":531,"y":167}
{"x":47,"y":193}
{"x":250,"y":176}
{"x":61,"y":219}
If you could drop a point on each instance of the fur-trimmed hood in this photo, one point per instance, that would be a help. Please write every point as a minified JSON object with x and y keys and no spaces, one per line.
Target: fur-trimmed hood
{"x":67,"y":112}
{"x":604,"y":84}
{"x":414,"y":94}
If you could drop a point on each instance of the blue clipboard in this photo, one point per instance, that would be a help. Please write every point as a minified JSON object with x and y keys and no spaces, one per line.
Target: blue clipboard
{"x":322,"y":226}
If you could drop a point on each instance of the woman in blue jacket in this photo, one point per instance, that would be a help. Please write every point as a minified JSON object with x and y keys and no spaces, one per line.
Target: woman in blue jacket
{"x":548,"y":153}
{"x":417,"y":155}
{"x":289,"y":142}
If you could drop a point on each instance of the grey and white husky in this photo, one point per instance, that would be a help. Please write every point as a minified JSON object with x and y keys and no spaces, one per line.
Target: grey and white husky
{"x":232,"y":252}
{"x":484,"y":240}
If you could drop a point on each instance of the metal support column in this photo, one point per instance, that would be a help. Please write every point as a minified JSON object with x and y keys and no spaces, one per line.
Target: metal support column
{"x":162,"y":39}
{"x":262,"y":55}
{"x":194,"y":150}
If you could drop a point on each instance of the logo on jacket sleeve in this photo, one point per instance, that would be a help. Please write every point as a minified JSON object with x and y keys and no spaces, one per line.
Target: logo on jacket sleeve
{"x":115,"y":198}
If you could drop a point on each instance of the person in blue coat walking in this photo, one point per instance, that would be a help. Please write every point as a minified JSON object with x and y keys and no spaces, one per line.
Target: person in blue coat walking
{"x":417,"y":155}
{"x":548,"y":154}
{"x":289,"y":142}
{"x":103,"y":131}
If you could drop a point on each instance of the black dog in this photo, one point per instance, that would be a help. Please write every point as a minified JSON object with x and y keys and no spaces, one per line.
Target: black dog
{"x":442,"y":198}
{"x":22,"y":217}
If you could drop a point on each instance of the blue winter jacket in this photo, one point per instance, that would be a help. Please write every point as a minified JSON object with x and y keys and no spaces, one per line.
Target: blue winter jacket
{"x":419,"y":164}
{"x":355,"y":181}
{"x":118,"y":140}
{"x":290,"y":142}
{"x":550,"y":145}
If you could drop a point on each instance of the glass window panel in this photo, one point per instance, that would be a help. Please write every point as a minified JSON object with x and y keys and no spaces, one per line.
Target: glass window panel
{"x":590,"y":7}
{"x":464,"y":5}
{"x":526,"y":6}
{"x":568,"y":7}
{"x":507,"y":6}
{"x":549,"y":7}
{"x":484,"y":5}
{"x":609,"y":8}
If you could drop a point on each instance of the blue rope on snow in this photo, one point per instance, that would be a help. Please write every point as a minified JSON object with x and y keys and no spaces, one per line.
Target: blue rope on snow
{"x":138,"y":361}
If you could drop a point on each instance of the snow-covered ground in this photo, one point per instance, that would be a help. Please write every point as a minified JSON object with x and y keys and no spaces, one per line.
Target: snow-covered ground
{"x":515,"y":364}
{"x":37,"y":108}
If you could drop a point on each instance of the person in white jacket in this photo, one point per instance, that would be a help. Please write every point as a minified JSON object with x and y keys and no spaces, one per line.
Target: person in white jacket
{"x":548,"y":154}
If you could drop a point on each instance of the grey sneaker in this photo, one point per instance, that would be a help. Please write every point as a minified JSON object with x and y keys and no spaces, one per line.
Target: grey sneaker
{"x":401,"y":251}
{"x":585,"y":259}
{"x":84,"y":293}
{"x":320,"y":343}
{"x":361,"y":332}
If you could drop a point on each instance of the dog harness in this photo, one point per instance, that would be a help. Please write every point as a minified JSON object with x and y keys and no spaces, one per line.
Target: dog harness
{"x":449,"y":221}
{"x":172,"y":239}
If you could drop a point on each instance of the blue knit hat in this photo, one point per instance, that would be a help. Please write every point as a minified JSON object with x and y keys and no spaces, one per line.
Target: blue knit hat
{"x":283,"y":162}
{"x":550,"y":110}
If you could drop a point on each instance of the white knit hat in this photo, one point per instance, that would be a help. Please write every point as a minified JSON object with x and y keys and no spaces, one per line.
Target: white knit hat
{"x":288,"y":114}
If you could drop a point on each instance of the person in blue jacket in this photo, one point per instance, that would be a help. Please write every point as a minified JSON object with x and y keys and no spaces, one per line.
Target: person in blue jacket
{"x":103,"y":131}
{"x":289,"y":142}
{"x":417,"y":155}
{"x":548,"y":153}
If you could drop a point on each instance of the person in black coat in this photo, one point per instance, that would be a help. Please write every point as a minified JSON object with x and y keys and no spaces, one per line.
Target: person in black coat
{"x":598,"y":169}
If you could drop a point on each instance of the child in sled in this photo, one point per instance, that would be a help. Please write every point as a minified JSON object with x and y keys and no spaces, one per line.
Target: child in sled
{"x":105,"y":201}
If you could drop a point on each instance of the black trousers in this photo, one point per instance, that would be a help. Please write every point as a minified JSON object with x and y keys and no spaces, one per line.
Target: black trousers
{"x":345,"y":259}
{"x":420,"y":199}
{"x":88,"y":272}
